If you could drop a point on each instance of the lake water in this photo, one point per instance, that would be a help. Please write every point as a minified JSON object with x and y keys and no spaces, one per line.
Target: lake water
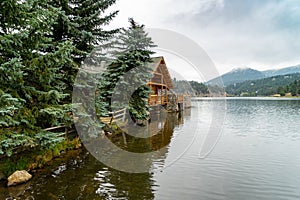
{"x":257,"y":156}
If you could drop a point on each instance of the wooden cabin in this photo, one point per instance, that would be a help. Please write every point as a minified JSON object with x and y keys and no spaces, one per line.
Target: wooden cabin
{"x":161,"y":82}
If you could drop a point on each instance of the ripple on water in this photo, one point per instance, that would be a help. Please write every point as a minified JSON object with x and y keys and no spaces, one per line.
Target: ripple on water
{"x":257,"y":157}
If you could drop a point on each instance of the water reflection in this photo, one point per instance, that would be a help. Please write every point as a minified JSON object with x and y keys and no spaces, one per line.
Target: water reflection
{"x":257,"y":157}
{"x":135,"y":154}
{"x":83,"y":177}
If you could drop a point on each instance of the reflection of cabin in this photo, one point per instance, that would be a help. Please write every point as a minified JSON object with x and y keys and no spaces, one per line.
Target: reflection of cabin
{"x":160,"y":83}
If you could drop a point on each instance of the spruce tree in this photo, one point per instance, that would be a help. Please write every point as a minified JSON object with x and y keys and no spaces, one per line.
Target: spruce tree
{"x":82,"y":22}
{"x":30,"y":64}
{"x":42,"y":44}
{"x":11,"y":68}
{"x":133,"y":54}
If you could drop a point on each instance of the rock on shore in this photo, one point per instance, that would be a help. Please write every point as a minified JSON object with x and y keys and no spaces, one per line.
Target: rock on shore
{"x":18,"y":177}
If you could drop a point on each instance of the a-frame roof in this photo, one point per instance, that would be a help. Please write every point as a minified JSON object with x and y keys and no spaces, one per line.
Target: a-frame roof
{"x":159,"y":67}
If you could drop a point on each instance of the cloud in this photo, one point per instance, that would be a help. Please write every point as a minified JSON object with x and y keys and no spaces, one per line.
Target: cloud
{"x":162,"y":12}
{"x":235,"y":33}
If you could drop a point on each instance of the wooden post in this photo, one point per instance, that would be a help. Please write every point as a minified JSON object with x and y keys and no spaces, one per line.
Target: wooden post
{"x":149,"y":99}
{"x":66,"y":132}
{"x":124,"y":138}
{"x":161,"y":95}
{"x":162,"y":87}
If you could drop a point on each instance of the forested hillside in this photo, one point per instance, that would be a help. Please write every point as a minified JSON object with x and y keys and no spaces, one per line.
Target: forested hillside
{"x":263,"y":87}
{"x":283,"y":71}
{"x":244,"y":74}
{"x":197,"y":89}
{"x":237,"y":76}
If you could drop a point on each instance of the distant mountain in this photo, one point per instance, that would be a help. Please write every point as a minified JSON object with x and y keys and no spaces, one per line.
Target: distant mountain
{"x":237,"y":76}
{"x":246,"y":74}
{"x":283,"y":71}
{"x":262,"y":87}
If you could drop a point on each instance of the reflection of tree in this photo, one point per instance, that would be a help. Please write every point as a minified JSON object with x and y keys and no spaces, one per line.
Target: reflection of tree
{"x":187,"y":113}
{"x":163,"y":137}
{"x":139,"y":186}
{"x":85,"y":177}
{"x":159,"y":130}
{"x":132,"y":186}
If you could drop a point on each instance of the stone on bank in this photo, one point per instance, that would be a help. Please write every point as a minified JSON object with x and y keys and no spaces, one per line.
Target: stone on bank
{"x":18,"y":177}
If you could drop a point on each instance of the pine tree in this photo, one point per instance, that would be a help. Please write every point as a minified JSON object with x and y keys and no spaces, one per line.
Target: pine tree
{"x":42,"y":44}
{"x":11,"y":68}
{"x":294,"y":88}
{"x":132,"y":57}
{"x":281,"y":91}
{"x":90,"y":20}
{"x":82,"y":22}
{"x":30,"y":64}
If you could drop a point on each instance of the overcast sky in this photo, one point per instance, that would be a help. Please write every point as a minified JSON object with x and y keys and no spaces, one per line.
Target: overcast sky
{"x":261,"y":34}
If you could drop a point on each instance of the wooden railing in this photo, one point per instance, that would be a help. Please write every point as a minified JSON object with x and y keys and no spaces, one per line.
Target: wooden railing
{"x":154,"y":100}
{"x":117,"y":116}
{"x":180,"y":98}
{"x":157,"y":100}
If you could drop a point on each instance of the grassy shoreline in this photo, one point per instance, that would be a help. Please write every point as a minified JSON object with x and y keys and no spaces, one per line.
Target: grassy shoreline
{"x":35,"y":159}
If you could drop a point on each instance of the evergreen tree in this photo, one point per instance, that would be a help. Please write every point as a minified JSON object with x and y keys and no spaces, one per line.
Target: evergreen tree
{"x":11,"y":68}
{"x":281,"y":91}
{"x":42,"y":44}
{"x":132,"y":57}
{"x":294,"y":88}
{"x":82,"y":22}
{"x":30,"y":64}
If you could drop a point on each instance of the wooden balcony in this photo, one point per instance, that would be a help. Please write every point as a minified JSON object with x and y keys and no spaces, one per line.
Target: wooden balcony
{"x":180,"y":98}
{"x":157,"y":100}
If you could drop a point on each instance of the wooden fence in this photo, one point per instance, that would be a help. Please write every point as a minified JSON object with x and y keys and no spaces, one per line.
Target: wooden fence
{"x":117,"y":116}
